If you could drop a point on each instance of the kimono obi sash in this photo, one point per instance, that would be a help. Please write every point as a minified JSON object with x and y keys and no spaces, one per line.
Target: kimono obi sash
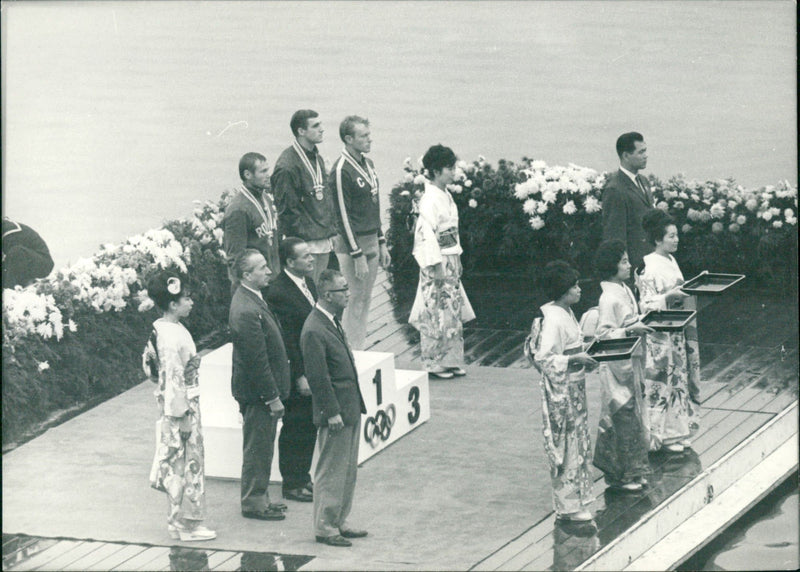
{"x":448,"y":237}
{"x":574,"y":368}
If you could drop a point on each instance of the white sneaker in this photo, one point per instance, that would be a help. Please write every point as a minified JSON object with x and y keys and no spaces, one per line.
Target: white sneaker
{"x":195,"y":534}
{"x":674,"y":448}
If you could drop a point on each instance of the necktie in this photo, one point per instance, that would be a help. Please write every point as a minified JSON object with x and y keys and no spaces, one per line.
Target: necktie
{"x":306,"y":291}
{"x":641,"y":186}
{"x":339,"y":327}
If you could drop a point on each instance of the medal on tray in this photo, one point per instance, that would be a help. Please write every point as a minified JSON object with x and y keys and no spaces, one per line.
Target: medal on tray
{"x":315,"y":171}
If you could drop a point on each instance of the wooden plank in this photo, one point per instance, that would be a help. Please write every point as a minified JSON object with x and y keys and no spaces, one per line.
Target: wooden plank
{"x":498,"y":560}
{"x":110,"y":562}
{"x":511,"y":343}
{"x":141,"y":560}
{"x":43,"y":559}
{"x":481,"y":346}
{"x":77,"y":552}
{"x":738,"y":433}
{"x":88,"y":560}
{"x":224,"y":560}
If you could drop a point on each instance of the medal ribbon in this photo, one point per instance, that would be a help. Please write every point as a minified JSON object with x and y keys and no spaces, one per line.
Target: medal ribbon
{"x":371,"y":177}
{"x":265,"y":214}
{"x":316,"y":175}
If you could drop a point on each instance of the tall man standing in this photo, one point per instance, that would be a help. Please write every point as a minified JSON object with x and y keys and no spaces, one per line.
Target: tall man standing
{"x":292,"y":296}
{"x":259,"y":382}
{"x":626,"y":197}
{"x":305,"y":206}
{"x":338,"y":405}
{"x":360,"y":244}
{"x":250,"y":219}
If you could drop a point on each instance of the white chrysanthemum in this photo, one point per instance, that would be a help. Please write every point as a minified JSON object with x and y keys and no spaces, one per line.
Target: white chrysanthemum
{"x":767,"y":215}
{"x":777,"y":223}
{"x":529,"y":206}
{"x":741,"y":219}
{"x":662,"y":205}
{"x":72,"y":326}
{"x":468,"y":183}
{"x":419,"y":179}
{"x":42,"y":366}
{"x":537,"y":223}
{"x":693,"y":215}
{"x":541,"y":208}
{"x":717,"y":210}
{"x":678,"y":205}
{"x":472,"y":203}
{"x":538,"y":165}
{"x":751,"y":204}
{"x":717,"y":227}
{"x":733,"y":227}
{"x":592,"y":205}
{"x":569,"y":208}
{"x":549,"y":196}
{"x":686,"y":228}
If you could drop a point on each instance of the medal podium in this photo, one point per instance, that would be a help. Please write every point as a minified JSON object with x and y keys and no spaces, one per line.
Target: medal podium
{"x":398,"y":401}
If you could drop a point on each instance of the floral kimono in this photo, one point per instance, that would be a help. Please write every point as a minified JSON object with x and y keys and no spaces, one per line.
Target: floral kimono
{"x":564,"y":414}
{"x":673,"y":359}
{"x":170,"y":359}
{"x":622,"y":435}
{"x":439,"y":310}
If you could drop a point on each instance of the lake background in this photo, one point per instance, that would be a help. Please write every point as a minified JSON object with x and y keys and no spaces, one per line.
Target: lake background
{"x":117,"y":115}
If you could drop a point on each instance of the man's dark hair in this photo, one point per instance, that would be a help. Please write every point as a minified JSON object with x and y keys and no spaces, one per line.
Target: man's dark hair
{"x":300,"y":119}
{"x":607,"y":257}
{"x":326,"y":280}
{"x":347,"y":126}
{"x":248,"y":163}
{"x":655,"y":223}
{"x":626,"y":143}
{"x":557,"y":278}
{"x":244,"y":262}
{"x":286,"y":248}
{"x":438,"y":158}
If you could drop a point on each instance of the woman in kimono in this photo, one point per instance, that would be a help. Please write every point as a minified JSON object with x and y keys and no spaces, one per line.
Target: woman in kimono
{"x":171,"y":361}
{"x":441,"y":305}
{"x":556,"y":343}
{"x":673,"y":360}
{"x":622,"y":436}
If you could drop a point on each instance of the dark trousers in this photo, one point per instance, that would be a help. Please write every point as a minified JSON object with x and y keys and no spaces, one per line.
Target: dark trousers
{"x":296,"y":443}
{"x":258,"y":444}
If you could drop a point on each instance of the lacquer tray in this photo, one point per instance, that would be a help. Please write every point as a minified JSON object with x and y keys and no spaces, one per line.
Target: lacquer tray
{"x":711,"y":283}
{"x":668,"y":320}
{"x":613,"y":349}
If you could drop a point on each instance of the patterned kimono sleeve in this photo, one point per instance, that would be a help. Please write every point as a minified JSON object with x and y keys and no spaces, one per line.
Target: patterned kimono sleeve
{"x":176,"y":402}
{"x":549,"y":356}
{"x":612,"y":315}
{"x":426,"y":245}
{"x":652,"y":289}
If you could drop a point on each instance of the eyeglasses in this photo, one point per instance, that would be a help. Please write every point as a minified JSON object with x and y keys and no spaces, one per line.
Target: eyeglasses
{"x":345,"y":289}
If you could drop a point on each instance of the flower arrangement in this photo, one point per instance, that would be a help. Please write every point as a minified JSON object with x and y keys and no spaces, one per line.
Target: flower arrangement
{"x":524,"y":215}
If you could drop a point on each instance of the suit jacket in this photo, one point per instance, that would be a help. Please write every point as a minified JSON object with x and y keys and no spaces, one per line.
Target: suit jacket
{"x":260,"y":365}
{"x":291,"y":307}
{"x":331,"y":371}
{"x":623,"y":209}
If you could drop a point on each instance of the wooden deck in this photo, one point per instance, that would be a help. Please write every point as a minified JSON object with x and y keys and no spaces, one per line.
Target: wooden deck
{"x":746,"y":446}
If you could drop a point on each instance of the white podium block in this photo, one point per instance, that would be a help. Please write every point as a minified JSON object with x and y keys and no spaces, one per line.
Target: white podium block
{"x":397,"y":402}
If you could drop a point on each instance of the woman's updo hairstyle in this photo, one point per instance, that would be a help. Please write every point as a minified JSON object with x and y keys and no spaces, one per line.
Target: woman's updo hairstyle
{"x":607,"y":257}
{"x":438,"y":158}
{"x":557,"y":277}
{"x":655,"y":223}
{"x":165,"y":287}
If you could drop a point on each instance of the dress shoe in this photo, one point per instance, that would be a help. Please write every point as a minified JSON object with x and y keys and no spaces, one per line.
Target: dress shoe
{"x":352,"y":533}
{"x":580,"y":516}
{"x":269,"y":514}
{"x":335,"y":540}
{"x":190,"y":534}
{"x":674,"y":448}
{"x":277,"y":506}
{"x":457,"y":371}
{"x":631,"y":487}
{"x":299,"y":495}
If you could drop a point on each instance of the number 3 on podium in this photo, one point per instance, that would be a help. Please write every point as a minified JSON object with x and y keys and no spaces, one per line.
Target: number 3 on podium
{"x":413,"y":399}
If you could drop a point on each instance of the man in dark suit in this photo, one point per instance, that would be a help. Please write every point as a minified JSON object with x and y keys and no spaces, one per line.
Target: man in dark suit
{"x":292,"y":296}
{"x":338,"y":405}
{"x":260,"y":380}
{"x":626,"y":197}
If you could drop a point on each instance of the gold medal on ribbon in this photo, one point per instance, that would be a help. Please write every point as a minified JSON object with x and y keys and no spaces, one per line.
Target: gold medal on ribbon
{"x":315,"y":172}
{"x":368,"y":174}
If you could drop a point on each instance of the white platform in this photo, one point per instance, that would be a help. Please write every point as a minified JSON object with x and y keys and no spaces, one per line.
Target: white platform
{"x":397,"y":401}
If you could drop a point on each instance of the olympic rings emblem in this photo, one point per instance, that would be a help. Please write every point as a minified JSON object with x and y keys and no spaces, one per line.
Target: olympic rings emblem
{"x":378,"y":428}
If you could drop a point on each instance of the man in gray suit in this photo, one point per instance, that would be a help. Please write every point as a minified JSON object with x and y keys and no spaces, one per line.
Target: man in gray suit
{"x":259,"y":382}
{"x":626,"y":197}
{"x":338,"y":405}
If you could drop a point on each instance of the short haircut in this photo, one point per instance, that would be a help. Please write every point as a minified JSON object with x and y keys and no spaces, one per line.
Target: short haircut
{"x":248,"y":163}
{"x":438,"y":158}
{"x":326,"y":280}
{"x":626,"y":143}
{"x":244,"y":262}
{"x":348,"y":124}
{"x":558,"y":277}
{"x":300,"y":119}
{"x":286,"y":248}
{"x":158,"y":292}
{"x":655,"y":223}
{"x":607,"y":257}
